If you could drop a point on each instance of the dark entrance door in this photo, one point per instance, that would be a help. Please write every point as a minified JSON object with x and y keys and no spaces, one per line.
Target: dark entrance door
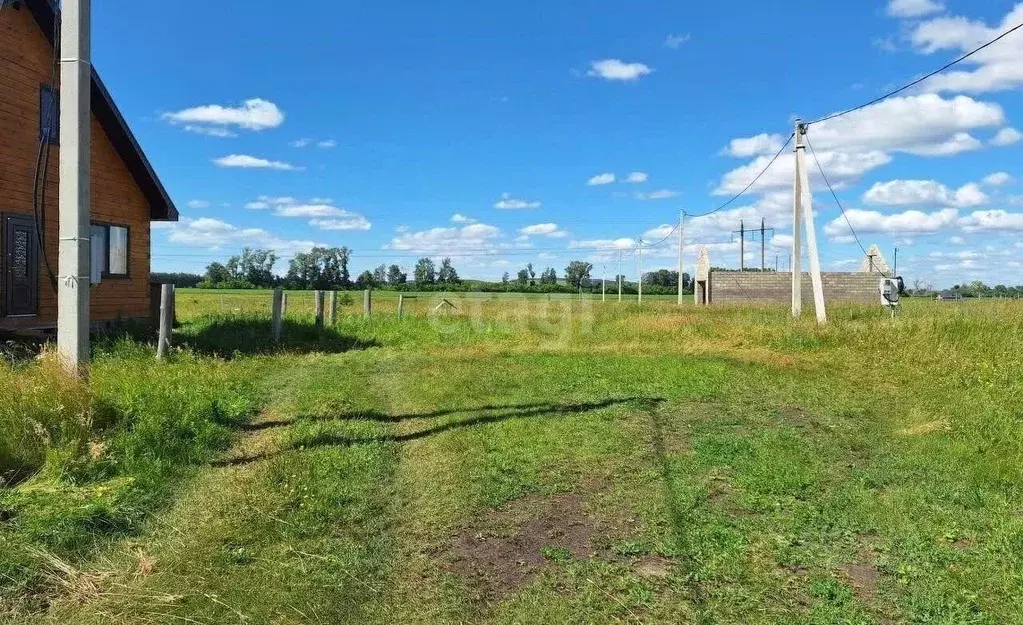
{"x":20,"y":266}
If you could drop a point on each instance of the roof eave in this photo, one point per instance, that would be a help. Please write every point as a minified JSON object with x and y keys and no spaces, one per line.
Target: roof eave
{"x":161,"y":207}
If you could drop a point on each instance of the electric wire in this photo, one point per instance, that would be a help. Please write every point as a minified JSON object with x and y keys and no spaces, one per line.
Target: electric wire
{"x":841,"y":208}
{"x":919,"y":80}
{"x":43,"y":160}
{"x":750,"y":185}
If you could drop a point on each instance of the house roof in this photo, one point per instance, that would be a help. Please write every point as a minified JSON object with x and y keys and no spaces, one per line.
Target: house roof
{"x":161,"y":207}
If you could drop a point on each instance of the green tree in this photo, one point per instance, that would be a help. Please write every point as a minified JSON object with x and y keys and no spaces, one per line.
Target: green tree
{"x":380,"y":275}
{"x":447,"y":274}
{"x":577,"y":273}
{"x":549,"y":276}
{"x":217,"y":273}
{"x":256,"y":267}
{"x":320,"y":268}
{"x":523,"y":277}
{"x":396,"y":276}
{"x":505,"y":278}
{"x":425,"y":272}
{"x":366,"y":280}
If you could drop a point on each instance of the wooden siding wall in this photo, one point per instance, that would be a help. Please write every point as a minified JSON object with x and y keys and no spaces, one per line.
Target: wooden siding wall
{"x":26,"y":63}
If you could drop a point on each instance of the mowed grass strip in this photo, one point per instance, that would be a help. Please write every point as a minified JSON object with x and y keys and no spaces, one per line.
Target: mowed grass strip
{"x":583,"y":463}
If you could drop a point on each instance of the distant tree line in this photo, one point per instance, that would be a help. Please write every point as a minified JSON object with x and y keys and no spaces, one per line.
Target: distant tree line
{"x":324,"y":268}
{"x":976,"y":288}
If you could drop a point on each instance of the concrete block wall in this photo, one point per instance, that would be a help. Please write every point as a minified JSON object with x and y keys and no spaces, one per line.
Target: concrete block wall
{"x":776,"y":287}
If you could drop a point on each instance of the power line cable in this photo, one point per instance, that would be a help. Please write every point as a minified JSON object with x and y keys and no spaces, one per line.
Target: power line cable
{"x":919,"y":80}
{"x":750,"y":185}
{"x":824,"y":176}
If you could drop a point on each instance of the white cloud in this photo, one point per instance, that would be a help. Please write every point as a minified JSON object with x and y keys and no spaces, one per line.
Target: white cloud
{"x":924,"y":192}
{"x":215,"y":234}
{"x":278,"y":200}
{"x":352,"y":222}
{"x":913,"y":8}
{"x":546,"y":230}
{"x":321,"y":200}
{"x":992,"y":220}
{"x":198,"y":204}
{"x":675,"y":41}
{"x":615,"y":69}
{"x":660,"y":194}
{"x":637,"y":177}
{"x":300,"y":143}
{"x":862,"y":141}
{"x":252,"y":162}
{"x":964,"y":255}
{"x":257,"y":205}
{"x":604,"y":244}
{"x":449,"y":241}
{"x":507,"y":202}
{"x":909,"y":222}
{"x":458,"y":218}
{"x":327,"y":144}
{"x":997,"y":179}
{"x":210,"y":131}
{"x":658,"y":233}
{"x":996,"y":68}
{"x":601,"y":179}
{"x":957,"y":143}
{"x":957,"y":240}
{"x":310,"y":210}
{"x":746,"y":147}
{"x":255,"y":114}
{"x":1006,"y":136}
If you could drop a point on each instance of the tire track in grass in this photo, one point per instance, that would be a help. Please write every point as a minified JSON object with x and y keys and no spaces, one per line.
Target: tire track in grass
{"x":279,"y":531}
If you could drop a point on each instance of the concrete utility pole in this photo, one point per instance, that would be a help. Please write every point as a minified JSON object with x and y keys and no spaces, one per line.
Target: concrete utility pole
{"x":742,"y":246}
{"x":619,"y":277}
{"x":639,"y":269}
{"x":74,"y":260}
{"x":803,"y":208}
{"x":603,"y":284}
{"x":681,"y":234}
{"x":763,"y":246}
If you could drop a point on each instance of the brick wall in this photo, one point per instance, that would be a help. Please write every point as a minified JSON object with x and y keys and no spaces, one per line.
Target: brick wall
{"x":776,"y":287}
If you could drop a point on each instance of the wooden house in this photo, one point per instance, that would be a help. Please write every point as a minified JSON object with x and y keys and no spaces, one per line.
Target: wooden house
{"x":126,"y":195}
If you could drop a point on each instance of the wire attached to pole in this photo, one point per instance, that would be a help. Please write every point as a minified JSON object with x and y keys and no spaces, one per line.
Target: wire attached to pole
{"x":919,"y":80}
{"x":841,"y":208}
{"x":750,"y":185}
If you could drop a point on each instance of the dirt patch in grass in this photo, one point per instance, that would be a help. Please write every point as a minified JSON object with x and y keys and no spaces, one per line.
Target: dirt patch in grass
{"x":864,"y":577}
{"x":513,"y":543}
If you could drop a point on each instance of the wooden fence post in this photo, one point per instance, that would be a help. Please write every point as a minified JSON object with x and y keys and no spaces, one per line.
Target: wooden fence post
{"x":367,"y":303}
{"x":318,"y":308}
{"x":332,"y":308}
{"x":284,"y":305}
{"x":278,"y":314}
{"x":401,"y":306}
{"x":166,"y":320}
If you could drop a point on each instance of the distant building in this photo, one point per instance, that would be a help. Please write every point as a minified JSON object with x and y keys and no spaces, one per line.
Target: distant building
{"x":874,"y":262}
{"x":949,"y":296}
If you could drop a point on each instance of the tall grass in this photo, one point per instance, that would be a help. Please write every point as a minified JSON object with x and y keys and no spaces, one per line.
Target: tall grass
{"x":96,"y":459}
{"x":42,"y":412}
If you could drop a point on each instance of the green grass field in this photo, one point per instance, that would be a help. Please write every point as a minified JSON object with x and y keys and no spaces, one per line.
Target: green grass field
{"x":524,"y":460}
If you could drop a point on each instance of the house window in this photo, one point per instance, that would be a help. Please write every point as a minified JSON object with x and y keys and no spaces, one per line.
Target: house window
{"x":49,"y":114}
{"x":109,"y":252}
{"x":117,"y":245}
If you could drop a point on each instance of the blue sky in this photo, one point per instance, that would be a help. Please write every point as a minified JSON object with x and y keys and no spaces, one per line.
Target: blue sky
{"x":526,"y":132}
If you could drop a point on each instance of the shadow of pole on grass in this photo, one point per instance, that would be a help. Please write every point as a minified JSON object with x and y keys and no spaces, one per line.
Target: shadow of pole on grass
{"x":226,"y":336}
{"x":484,"y":415}
{"x":681,"y":516}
